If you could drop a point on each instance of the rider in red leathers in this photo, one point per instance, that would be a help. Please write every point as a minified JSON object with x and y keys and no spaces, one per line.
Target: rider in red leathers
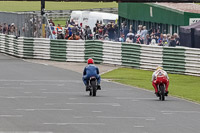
{"x":155,"y":80}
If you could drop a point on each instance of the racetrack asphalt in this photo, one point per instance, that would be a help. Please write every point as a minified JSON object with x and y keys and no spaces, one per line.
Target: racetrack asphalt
{"x":39,"y":98}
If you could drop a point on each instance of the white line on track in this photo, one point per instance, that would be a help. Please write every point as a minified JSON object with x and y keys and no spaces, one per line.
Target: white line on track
{"x":27,"y":81}
{"x":24,"y":132}
{"x":43,"y":109}
{"x":112,"y":117}
{"x":150,"y":119}
{"x":64,"y":92}
{"x":72,"y":98}
{"x":8,"y":87}
{"x":63,"y":124}
{"x":180,"y":111}
{"x":28,"y":92}
{"x":95,"y":111}
{"x":130,"y":98}
{"x":111,"y":104}
{"x":38,"y":84}
{"x":11,"y":116}
{"x":138,"y":126}
{"x":167,"y":113}
{"x":27,"y":97}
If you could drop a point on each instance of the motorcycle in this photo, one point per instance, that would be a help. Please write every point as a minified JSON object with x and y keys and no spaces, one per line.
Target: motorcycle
{"x":93,"y":86}
{"x":161,"y":80}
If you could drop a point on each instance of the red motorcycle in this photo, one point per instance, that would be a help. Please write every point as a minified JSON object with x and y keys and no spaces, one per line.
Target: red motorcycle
{"x":161,"y":81}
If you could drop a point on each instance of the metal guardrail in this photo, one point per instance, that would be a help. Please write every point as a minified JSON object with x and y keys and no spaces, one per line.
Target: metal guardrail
{"x":177,"y":60}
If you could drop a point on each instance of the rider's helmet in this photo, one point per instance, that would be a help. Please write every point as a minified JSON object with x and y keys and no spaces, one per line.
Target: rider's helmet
{"x":159,"y":68}
{"x":90,"y":61}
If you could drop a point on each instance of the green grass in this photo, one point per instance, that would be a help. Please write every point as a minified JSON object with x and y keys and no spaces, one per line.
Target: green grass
{"x":61,"y":22}
{"x":183,"y":86}
{"x":16,"y":6}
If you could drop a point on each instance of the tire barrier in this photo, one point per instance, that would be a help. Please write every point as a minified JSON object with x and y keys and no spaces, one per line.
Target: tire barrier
{"x":178,"y":60}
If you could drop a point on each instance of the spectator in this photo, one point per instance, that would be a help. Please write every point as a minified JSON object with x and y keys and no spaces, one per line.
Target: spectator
{"x":122,"y":39}
{"x":58,"y":27}
{"x":139,"y":40}
{"x":75,"y":29}
{"x":144,"y":34}
{"x":106,"y":38}
{"x":177,"y":39}
{"x":1,"y":29}
{"x":60,"y":34}
{"x":160,"y":40}
{"x":51,"y":22}
{"x":111,"y":31}
{"x":139,"y":31}
{"x":53,"y":35}
{"x":72,"y":22}
{"x":148,"y":39}
{"x":51,"y":26}
{"x":67,"y":36}
{"x":165,"y":41}
{"x":172,"y":42}
{"x":88,"y":33}
{"x":129,"y":39}
{"x":153,"y":40}
{"x":12,"y":29}
{"x":168,"y":37}
{"x":74,"y":37}
{"x":5,"y":28}
{"x":158,"y":32}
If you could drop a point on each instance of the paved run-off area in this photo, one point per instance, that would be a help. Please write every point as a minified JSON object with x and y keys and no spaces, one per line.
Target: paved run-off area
{"x":44,"y":98}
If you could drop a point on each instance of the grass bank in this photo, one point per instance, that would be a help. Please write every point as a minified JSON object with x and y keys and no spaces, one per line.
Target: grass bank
{"x":183,"y":86}
{"x":17,"y":6}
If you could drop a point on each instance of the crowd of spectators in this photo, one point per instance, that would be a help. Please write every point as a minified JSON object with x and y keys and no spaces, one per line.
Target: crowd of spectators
{"x":111,"y":32}
{"x":73,"y":31}
{"x":9,"y":29}
{"x":149,"y":37}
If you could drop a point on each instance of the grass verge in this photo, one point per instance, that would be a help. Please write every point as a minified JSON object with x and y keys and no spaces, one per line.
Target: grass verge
{"x":61,"y":22}
{"x":183,"y":86}
{"x":16,"y":6}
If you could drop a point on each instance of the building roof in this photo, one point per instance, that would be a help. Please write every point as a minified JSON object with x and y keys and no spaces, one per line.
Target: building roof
{"x":184,"y":7}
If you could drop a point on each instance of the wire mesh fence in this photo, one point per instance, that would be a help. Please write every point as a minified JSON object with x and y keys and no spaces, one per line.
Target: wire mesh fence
{"x":26,"y":24}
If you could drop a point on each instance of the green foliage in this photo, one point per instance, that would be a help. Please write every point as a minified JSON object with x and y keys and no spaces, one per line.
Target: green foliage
{"x":183,"y":86}
{"x":15,"y":6}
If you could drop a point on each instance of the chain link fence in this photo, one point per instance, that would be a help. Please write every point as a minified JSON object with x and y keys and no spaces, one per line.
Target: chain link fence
{"x":27,"y":24}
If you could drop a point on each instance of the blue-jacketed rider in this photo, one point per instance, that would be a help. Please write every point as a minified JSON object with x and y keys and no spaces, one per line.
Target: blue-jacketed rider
{"x":90,"y":71}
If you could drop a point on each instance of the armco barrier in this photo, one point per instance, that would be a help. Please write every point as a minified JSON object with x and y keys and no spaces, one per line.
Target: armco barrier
{"x":150,"y":57}
{"x":112,"y":53}
{"x":94,"y":49}
{"x":179,"y":60}
{"x":75,"y":51}
{"x":192,"y":61}
{"x":174,"y":60}
{"x":131,"y":55}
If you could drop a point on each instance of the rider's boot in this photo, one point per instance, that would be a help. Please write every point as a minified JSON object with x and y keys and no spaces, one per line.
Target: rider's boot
{"x":166,"y":93}
{"x":87,"y":88}
{"x":98,"y":87}
{"x":157,"y":94}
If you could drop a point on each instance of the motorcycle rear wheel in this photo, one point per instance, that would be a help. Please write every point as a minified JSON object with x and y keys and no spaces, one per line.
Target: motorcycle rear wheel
{"x":162,"y":90}
{"x":94,"y":88}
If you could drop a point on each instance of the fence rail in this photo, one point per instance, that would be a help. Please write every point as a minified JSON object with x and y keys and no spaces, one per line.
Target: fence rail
{"x":177,"y":60}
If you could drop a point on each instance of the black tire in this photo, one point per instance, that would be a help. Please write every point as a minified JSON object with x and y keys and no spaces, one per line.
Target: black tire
{"x":90,"y":93}
{"x":162,"y":95}
{"x":94,"y":88}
